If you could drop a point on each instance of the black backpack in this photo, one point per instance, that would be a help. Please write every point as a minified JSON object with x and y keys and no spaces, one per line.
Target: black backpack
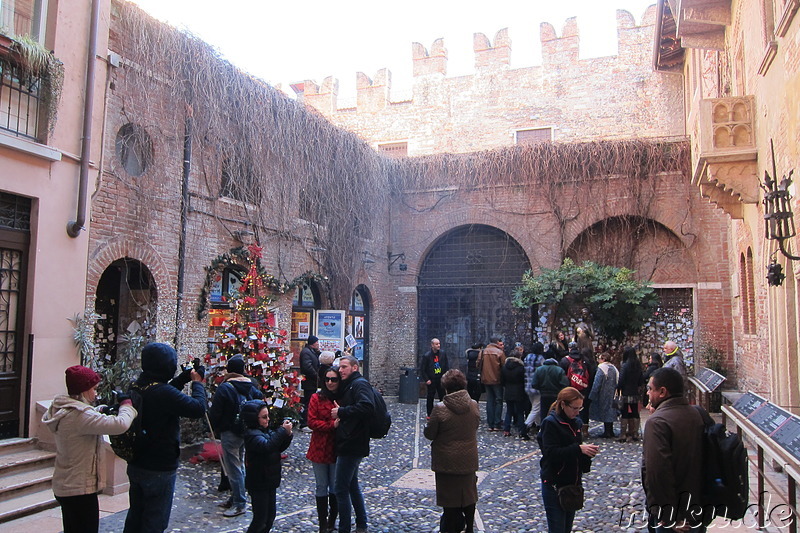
{"x":726,"y":482}
{"x":237,"y":426}
{"x":380,"y":423}
{"x":123,"y":445}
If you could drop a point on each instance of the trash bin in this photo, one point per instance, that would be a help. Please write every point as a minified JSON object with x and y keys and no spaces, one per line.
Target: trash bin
{"x":409,"y":386}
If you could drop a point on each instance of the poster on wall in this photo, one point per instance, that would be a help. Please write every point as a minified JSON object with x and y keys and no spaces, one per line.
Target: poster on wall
{"x":330,"y":330}
{"x":359,"y":327}
{"x":301,"y":324}
{"x":358,"y":349}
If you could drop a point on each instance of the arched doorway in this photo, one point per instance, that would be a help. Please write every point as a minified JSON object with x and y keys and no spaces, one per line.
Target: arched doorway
{"x":126,"y":304}
{"x":305,"y":304}
{"x":357,"y":325}
{"x":466,"y":285}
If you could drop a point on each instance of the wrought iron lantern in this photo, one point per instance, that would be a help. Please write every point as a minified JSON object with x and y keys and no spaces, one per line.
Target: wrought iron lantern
{"x":778,"y":216}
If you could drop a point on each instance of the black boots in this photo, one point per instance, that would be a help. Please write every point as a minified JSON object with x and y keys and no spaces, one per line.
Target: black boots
{"x":322,"y":513}
{"x":334,"y":512}
{"x":608,"y":432}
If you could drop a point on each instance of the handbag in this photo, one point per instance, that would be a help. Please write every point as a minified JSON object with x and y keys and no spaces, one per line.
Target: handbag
{"x":617,"y":402}
{"x":570,"y":497}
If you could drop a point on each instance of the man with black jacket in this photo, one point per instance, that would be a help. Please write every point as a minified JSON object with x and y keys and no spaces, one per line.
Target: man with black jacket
{"x":355,"y":407}
{"x":431,"y":369}
{"x":153,"y":469}
{"x":309,"y":367}
{"x":235,"y":389}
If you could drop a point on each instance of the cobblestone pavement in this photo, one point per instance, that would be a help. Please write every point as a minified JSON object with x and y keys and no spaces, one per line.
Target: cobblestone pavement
{"x":399,"y":487}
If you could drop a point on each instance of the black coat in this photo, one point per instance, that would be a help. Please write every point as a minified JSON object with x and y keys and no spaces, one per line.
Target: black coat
{"x":309,"y":367}
{"x":562,"y":462}
{"x":226,"y":402}
{"x":263,"y":449}
{"x":591,"y":367}
{"x":630,"y":378}
{"x":356,"y":407}
{"x":513,"y":375}
{"x":472,"y":364}
{"x":426,"y":366}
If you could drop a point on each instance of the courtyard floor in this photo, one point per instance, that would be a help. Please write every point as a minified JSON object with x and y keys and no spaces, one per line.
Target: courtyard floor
{"x":399,"y":488}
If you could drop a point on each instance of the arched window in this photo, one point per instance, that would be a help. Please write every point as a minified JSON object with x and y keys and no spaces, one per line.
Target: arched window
{"x":357,"y":325}
{"x":747,"y":292}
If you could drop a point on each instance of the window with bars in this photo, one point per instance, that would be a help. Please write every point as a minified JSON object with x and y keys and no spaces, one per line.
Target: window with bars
{"x":15,"y":212}
{"x":20,"y":101}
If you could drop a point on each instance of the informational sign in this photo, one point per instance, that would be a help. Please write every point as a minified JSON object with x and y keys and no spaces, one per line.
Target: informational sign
{"x":769,"y":417}
{"x":748,"y":403}
{"x":301,"y":324}
{"x":215,"y":292}
{"x":710,"y":379}
{"x":330,"y":330}
{"x":788,"y":436}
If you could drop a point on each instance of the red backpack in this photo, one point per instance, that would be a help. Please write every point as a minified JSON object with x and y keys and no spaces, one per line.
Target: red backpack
{"x":578,"y":374}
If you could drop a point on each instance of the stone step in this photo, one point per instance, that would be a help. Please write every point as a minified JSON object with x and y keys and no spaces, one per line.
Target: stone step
{"x":17,"y":484}
{"x":16,"y":444}
{"x":26,"y":504}
{"x":24,"y":460}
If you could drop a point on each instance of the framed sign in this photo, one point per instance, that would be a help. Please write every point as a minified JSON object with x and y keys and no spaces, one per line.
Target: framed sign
{"x":788,"y":436}
{"x":768,"y":417}
{"x":330,"y":330}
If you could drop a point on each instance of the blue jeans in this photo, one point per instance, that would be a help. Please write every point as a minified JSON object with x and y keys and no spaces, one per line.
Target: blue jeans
{"x":233,"y":459}
{"x":494,"y":406}
{"x":558,"y":520}
{"x":150,"y":499}
{"x":324,"y":476}
{"x":348,"y":493}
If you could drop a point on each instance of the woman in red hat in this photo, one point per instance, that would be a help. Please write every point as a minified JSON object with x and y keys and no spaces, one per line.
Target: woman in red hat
{"x":78,"y":427}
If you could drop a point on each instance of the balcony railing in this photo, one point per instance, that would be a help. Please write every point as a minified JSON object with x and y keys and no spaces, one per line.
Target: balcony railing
{"x":20,"y":101}
{"x":724,"y":151}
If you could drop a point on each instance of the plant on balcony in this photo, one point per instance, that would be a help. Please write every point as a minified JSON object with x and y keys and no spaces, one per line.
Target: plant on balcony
{"x":33,"y":61}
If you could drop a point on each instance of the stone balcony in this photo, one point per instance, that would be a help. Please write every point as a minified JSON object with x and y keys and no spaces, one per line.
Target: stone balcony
{"x":724,"y":153}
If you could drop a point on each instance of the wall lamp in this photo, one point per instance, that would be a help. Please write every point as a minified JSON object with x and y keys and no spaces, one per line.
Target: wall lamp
{"x":393,"y":258}
{"x":778,"y":216}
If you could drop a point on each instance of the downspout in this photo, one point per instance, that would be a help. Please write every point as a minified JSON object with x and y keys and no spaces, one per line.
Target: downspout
{"x":187,"y":167}
{"x":74,"y":227}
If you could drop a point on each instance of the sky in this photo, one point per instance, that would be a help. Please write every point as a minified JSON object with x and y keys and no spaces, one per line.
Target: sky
{"x":288,"y":42}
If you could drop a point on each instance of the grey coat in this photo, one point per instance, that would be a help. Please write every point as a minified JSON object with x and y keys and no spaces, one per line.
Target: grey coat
{"x":605,"y":384}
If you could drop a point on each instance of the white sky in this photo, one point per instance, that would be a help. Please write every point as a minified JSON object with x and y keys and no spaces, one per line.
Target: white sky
{"x":286,"y":42}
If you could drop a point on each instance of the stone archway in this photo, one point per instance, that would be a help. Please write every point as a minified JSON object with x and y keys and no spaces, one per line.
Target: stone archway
{"x":126,"y":302}
{"x":466,"y":284}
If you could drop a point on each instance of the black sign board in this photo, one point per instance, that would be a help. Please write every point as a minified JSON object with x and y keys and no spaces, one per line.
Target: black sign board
{"x":768,"y":417}
{"x":747,"y":403}
{"x":710,"y":379}
{"x":788,"y":436}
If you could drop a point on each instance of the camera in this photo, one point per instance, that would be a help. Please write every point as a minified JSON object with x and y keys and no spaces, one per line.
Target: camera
{"x":290,"y":419}
{"x":194,"y":365}
{"x":110,"y":406}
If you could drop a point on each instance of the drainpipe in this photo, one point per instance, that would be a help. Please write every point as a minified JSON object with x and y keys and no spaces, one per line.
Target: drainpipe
{"x":187,"y":167}
{"x":74,"y":227}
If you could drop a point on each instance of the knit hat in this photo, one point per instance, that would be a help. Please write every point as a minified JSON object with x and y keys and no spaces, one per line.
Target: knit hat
{"x":312,"y":339}
{"x":159,"y":361}
{"x":235,"y":364}
{"x":80,"y":379}
{"x":326,"y":358}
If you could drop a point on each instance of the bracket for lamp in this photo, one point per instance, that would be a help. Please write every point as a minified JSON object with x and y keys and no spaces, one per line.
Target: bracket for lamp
{"x":778,"y":216}
{"x":393,"y":258}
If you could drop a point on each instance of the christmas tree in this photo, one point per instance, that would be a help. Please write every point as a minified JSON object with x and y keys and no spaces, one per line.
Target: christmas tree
{"x":251,"y":332}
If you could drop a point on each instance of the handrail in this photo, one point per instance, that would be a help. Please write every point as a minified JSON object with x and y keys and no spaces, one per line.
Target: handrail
{"x":765,"y":444}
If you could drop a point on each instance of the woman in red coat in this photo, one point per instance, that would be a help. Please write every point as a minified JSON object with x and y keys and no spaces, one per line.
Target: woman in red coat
{"x":321,"y":449}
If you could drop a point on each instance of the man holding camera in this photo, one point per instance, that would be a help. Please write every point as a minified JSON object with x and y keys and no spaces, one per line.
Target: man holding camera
{"x":235,"y":389}
{"x":152,"y":471}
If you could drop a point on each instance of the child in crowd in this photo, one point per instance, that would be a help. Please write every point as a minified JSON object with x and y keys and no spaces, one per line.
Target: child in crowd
{"x":263,"y":448}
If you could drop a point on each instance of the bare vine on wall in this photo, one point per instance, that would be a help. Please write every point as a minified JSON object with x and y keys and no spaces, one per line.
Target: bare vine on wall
{"x":313,"y":192}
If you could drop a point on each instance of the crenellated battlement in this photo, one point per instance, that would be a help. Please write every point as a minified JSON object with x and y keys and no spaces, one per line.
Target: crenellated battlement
{"x":560,"y":94}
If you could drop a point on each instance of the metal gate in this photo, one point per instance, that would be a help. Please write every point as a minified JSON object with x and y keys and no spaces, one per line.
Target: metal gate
{"x":466,"y":285}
